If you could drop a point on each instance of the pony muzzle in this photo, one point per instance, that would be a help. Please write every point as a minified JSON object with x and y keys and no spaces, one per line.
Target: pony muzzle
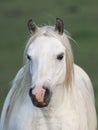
{"x":40,"y":97}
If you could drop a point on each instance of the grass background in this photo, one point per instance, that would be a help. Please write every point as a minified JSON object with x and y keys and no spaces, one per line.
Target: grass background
{"x":80,"y":19}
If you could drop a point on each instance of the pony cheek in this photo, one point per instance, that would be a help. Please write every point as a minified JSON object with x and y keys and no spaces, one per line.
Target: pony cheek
{"x":59,"y":77}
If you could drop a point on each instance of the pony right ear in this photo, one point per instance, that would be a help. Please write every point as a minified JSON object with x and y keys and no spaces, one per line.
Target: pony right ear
{"x":59,"y":27}
{"x":32,"y":26}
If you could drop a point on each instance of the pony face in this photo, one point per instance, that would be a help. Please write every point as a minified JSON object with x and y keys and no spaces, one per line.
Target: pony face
{"x":47,"y":60}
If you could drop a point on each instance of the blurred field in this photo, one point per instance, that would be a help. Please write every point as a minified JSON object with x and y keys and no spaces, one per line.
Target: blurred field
{"x":80,"y":18}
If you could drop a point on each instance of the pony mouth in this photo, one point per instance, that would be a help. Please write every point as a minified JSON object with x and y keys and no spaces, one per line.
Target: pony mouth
{"x":45,"y":103}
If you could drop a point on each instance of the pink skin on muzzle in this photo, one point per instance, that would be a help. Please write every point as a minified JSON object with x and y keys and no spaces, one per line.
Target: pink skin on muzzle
{"x":39,"y":93}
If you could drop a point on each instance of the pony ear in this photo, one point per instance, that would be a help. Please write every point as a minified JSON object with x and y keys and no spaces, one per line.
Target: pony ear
{"x":59,"y":26}
{"x":32,"y":26}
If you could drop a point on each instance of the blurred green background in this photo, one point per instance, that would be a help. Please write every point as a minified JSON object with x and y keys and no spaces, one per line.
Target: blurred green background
{"x":80,"y":19}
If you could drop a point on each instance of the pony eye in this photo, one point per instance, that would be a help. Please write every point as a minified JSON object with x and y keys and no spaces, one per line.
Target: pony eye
{"x":60,"y":56}
{"x":28,"y":57}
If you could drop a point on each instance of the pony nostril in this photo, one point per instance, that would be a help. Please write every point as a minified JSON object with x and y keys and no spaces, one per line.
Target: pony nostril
{"x":30,"y":93}
{"x":47,"y":93}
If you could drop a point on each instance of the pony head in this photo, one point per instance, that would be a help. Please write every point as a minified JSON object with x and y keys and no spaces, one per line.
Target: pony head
{"x":50,"y":61}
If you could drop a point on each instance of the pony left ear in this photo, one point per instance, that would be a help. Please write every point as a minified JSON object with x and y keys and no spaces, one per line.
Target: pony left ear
{"x":32,"y":26}
{"x":59,"y":26}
